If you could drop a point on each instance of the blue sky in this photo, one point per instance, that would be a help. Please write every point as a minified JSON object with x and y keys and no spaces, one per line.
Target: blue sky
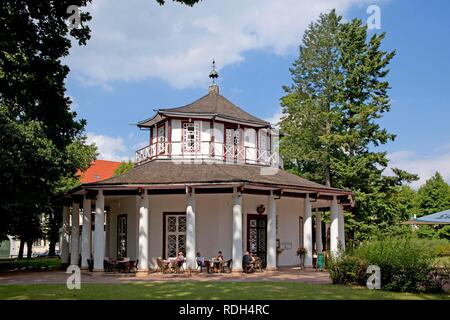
{"x":142,"y":57}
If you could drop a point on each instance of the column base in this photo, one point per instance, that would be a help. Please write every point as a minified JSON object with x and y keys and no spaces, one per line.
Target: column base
{"x":98,"y":270}
{"x":64,"y":266}
{"x":142,"y":272}
{"x":237,"y":270}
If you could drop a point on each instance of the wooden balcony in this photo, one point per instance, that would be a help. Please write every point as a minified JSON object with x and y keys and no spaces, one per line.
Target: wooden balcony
{"x":207,"y":151}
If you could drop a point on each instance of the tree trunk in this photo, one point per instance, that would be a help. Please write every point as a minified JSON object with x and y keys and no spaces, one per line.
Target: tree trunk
{"x":29,"y":248}
{"x":327,"y":176}
{"x":51,"y":249}
{"x":21,"y":247}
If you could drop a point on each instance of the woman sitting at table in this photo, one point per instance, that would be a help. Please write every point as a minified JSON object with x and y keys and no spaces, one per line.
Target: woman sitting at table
{"x":218,"y":261}
{"x":180,"y":259}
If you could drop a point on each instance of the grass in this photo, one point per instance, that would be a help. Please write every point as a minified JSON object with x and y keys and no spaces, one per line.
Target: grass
{"x":205,"y":291}
{"x":29,"y":264}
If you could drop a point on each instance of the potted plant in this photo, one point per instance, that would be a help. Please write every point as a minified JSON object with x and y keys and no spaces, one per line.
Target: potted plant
{"x":301,"y":254}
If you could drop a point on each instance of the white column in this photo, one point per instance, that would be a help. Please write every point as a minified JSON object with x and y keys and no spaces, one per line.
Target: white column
{"x":272,"y":234}
{"x":307,"y":231}
{"x":341,"y":238}
{"x":334,"y":227}
{"x":143,"y":233}
{"x":190,"y":230}
{"x":107,"y":234}
{"x":236,"y":252}
{"x":99,"y":232}
{"x":75,"y":234}
{"x":86,"y":234}
{"x":65,"y":236}
{"x":319,"y":244}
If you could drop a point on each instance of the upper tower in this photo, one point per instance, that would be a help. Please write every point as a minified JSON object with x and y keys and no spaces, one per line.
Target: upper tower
{"x":210,"y":128}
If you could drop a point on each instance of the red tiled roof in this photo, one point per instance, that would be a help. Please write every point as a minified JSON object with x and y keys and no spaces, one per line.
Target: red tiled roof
{"x":99,"y":170}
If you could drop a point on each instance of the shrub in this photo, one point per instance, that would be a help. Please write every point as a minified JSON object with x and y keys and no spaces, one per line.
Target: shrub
{"x":407,"y":264}
{"x":347,"y":269}
{"x":29,"y":264}
{"x":404,"y":262}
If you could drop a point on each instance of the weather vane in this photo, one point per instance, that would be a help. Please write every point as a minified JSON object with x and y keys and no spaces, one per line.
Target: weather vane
{"x":213,"y":74}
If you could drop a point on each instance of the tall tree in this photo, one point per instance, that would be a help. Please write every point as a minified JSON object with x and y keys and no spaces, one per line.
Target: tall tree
{"x":432,"y":197}
{"x":123,"y":167}
{"x":330,"y":117}
{"x":37,"y":124}
{"x":310,"y":104}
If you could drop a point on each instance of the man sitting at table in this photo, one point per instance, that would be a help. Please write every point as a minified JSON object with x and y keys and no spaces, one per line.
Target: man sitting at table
{"x":200,"y":261}
{"x":247,"y":261}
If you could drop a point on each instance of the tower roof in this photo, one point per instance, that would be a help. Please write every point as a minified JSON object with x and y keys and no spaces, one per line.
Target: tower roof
{"x":211,"y":106}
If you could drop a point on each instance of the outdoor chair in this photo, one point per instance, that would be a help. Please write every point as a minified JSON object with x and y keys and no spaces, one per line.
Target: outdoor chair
{"x":163,"y":267}
{"x":226,"y":266}
{"x":90,"y":265}
{"x":108,"y":266}
{"x":257,"y":265}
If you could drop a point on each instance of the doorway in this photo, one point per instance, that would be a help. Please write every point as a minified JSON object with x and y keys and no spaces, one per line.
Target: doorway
{"x":121,"y":236}
{"x":257,"y":236}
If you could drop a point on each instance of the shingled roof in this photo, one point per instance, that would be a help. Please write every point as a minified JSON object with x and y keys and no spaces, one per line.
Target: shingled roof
{"x":212,"y":105}
{"x":164,"y":172}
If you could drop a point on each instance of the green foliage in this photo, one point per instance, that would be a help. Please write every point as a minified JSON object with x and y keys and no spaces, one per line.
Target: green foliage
{"x":123,"y":167}
{"x":407,"y":264}
{"x":38,"y":128}
{"x":35,"y":264}
{"x":348,"y":270}
{"x":330,"y":120}
{"x":432,"y":197}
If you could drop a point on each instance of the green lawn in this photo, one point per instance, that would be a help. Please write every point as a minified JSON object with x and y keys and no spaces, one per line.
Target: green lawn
{"x":203,"y":291}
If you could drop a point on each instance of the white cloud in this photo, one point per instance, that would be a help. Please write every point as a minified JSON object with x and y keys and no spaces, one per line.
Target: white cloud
{"x":276,"y":117}
{"x":109,"y":148}
{"x":138,"y":39}
{"x":424,"y":166}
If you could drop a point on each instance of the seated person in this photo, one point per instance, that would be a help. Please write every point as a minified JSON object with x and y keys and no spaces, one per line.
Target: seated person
{"x":248,"y":260}
{"x":218,"y":261}
{"x":220,"y":256}
{"x":180,"y":259}
{"x":200,"y":260}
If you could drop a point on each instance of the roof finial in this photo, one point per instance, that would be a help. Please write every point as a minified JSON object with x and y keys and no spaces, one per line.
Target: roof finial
{"x":213,"y":74}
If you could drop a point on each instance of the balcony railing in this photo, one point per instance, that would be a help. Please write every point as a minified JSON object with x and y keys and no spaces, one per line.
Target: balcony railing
{"x":207,"y":150}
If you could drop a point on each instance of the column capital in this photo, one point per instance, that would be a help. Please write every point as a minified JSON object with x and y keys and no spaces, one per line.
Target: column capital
{"x":190,"y":190}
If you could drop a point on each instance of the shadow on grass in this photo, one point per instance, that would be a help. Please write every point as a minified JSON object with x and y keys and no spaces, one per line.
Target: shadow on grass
{"x":205,"y":291}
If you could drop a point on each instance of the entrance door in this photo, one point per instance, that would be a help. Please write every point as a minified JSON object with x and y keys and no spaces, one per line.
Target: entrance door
{"x":257,"y":236}
{"x":121,"y":236}
{"x":174,"y":234}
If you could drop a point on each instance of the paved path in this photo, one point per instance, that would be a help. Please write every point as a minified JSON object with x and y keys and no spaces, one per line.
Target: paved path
{"x":284,"y":274}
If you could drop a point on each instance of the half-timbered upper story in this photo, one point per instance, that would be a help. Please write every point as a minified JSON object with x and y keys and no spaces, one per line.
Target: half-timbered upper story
{"x":211,"y":128}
